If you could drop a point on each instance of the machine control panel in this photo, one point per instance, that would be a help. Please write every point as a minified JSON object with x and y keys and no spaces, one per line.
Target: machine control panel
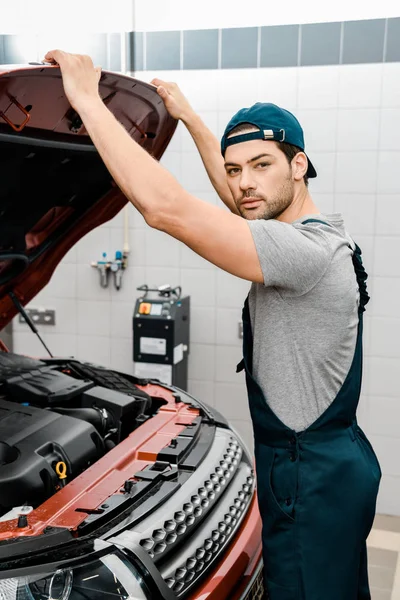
{"x":154,"y":309}
{"x":161,"y":332}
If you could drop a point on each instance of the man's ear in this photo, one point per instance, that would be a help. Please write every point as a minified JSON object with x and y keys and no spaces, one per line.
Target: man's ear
{"x":299,"y":166}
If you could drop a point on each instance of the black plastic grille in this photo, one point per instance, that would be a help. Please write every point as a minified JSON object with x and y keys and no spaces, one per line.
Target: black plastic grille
{"x":194,"y":509}
{"x":211,"y":547}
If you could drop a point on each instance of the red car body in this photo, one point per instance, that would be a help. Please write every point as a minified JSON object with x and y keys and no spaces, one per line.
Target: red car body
{"x":55,"y":190}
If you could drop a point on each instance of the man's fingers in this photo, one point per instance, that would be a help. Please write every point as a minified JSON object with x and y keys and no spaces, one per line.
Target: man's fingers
{"x":157,"y":81}
{"x":54,"y":56}
{"x":162,"y":91}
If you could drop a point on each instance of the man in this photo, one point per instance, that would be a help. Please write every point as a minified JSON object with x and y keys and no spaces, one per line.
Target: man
{"x":317,"y":474}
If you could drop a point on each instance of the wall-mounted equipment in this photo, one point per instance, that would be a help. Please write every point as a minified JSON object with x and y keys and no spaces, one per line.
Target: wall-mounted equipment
{"x":161,"y":324}
{"x":114,"y":267}
{"x":120,"y":262}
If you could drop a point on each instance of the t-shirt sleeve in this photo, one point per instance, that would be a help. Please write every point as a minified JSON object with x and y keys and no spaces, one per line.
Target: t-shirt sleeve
{"x":293,"y":257}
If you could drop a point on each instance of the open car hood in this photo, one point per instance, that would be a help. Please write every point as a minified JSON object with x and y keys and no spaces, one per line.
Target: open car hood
{"x":54,"y":185}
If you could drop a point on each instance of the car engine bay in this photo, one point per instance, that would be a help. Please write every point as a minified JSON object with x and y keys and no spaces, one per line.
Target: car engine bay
{"x":58,"y":417}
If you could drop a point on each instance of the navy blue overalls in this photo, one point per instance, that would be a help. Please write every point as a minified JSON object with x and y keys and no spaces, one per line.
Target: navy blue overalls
{"x":317,"y":488}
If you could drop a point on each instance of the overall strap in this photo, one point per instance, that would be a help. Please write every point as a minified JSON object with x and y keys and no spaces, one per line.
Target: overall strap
{"x":361,"y":274}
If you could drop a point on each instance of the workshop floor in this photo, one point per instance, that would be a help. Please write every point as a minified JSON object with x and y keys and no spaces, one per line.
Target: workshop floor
{"x":384,"y":558}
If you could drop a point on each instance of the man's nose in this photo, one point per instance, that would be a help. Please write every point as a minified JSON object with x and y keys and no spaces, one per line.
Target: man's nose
{"x":246,"y":181}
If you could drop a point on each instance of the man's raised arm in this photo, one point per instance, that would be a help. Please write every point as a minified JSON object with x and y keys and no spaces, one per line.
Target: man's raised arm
{"x":206,"y":142}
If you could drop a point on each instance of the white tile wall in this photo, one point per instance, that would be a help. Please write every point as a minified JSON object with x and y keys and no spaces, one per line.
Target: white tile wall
{"x":388,"y":180}
{"x":387,"y":214}
{"x":384,"y":377}
{"x":387,"y":250}
{"x":237,"y":88}
{"x":27,"y":343}
{"x":386,"y":297}
{"x":62,"y":344}
{"x":385,"y":337}
{"x":202,"y":324}
{"x":95,"y":349}
{"x":161,"y":249}
{"x":384,"y":416}
{"x":231,"y":400}
{"x":320,"y":129}
{"x":390,"y":126}
{"x":194,"y":176}
{"x":231,"y":291}
{"x":156,"y":276}
{"x":324,"y":201}
{"x":389,"y":494}
{"x":279,"y":86}
{"x":358,"y":211}
{"x":203,"y":390}
{"x":94,"y":317}
{"x":325,"y":164}
{"x":64,"y":281}
{"x":318,"y":87}
{"x":202,"y":362}
{"x":387,"y":449}
{"x":391,"y":85}
{"x":358,"y":129}
{"x":360,"y":86}
{"x":356,"y":172}
{"x":200,"y":285}
{"x":121,"y":354}
{"x":93,"y":245}
{"x":121,"y":320}
{"x":227,"y":326}
{"x":351,"y":116}
{"x":173,"y":162}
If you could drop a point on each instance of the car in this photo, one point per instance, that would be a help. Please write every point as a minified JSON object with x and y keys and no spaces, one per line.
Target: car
{"x":111,"y":486}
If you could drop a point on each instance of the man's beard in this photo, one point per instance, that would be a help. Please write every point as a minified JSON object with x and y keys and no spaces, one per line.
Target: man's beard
{"x":271,"y":208}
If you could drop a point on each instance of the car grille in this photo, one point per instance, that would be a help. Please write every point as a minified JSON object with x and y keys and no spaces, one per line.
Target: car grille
{"x":215,"y":534}
{"x":194,"y":507}
{"x":255,"y":589}
{"x":185,"y":536}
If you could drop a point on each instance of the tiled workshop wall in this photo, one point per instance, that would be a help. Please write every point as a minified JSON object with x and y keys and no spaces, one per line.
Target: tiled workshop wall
{"x":172,"y":15}
{"x":342,"y":80}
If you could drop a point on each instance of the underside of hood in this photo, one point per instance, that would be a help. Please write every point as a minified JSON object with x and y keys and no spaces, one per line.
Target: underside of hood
{"x":54,"y":185}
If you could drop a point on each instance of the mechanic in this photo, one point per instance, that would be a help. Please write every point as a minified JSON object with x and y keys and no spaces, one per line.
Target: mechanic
{"x":317,"y":474}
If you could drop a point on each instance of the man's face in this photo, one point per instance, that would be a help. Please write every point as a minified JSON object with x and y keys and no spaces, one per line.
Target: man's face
{"x":260,"y":179}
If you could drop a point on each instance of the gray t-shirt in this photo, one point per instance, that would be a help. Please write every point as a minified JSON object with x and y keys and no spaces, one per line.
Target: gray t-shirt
{"x":304,"y":317}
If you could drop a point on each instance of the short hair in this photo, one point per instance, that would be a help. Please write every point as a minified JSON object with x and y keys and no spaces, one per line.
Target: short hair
{"x":289,"y":150}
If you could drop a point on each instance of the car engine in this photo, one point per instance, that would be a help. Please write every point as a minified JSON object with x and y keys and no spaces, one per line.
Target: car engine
{"x":56,"y":419}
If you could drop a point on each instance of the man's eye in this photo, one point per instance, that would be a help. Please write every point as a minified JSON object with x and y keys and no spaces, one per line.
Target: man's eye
{"x":233,"y":171}
{"x":262,"y":165}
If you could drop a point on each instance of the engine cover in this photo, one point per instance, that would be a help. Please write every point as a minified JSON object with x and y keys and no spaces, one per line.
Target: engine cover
{"x":32,"y":442}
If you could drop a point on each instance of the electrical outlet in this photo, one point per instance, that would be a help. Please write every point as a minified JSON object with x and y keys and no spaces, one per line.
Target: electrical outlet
{"x":40,"y":317}
{"x":240,"y":330}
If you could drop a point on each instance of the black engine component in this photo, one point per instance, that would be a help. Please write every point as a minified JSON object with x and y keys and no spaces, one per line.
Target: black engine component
{"x":59,"y":411}
{"x":12,"y":364}
{"x":100,"y":419}
{"x":125,"y":410}
{"x":32,"y":442}
{"x":46,"y":386}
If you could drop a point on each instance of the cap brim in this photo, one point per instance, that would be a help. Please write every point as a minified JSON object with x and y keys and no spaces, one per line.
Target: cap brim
{"x":311,"y":172}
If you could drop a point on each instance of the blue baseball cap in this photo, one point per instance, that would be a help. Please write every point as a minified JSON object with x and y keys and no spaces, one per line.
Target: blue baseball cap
{"x":273,"y":123}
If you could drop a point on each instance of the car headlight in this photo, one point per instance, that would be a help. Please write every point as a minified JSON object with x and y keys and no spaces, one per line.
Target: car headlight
{"x":111,"y":577}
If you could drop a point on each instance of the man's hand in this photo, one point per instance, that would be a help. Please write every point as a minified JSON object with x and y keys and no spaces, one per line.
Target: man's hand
{"x":175,"y":102}
{"x":207,"y":144}
{"x":80,"y":77}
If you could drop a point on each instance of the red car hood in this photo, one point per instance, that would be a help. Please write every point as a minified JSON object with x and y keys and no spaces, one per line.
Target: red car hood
{"x":54,"y":187}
